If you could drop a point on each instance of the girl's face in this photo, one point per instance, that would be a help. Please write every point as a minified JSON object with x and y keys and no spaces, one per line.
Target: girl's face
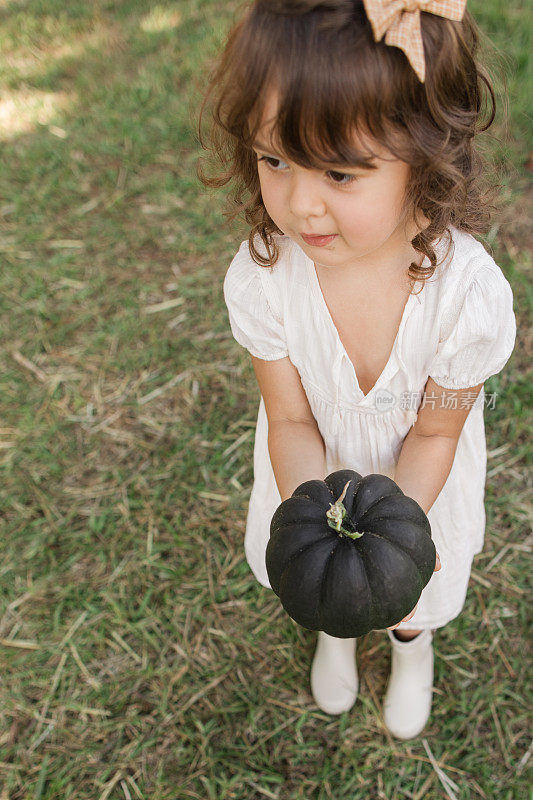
{"x":361,"y":208}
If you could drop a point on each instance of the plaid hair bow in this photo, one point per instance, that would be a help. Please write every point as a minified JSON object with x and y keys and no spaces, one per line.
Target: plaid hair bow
{"x":400,"y":19}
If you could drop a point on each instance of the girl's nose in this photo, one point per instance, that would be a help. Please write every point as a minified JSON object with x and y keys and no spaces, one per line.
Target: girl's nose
{"x":305,"y":199}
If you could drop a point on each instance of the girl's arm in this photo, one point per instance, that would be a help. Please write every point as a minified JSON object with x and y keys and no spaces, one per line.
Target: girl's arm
{"x":428,"y":450}
{"x":295,"y":444}
{"x":297,"y":454}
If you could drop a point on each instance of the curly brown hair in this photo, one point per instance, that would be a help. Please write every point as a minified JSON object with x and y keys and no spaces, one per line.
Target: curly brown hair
{"x":332,"y":79}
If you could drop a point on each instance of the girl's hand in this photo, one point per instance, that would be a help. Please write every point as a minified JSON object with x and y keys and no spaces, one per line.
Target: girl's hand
{"x":405,"y":619}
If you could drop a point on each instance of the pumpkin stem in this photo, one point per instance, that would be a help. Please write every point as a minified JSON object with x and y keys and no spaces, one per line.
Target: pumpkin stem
{"x":336,"y":514}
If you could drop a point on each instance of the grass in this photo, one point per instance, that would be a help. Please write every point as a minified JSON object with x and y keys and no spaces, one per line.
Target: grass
{"x":139,"y":658}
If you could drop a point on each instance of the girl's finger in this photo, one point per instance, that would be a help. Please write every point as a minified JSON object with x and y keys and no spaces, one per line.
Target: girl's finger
{"x":405,"y":619}
{"x":438,"y":565}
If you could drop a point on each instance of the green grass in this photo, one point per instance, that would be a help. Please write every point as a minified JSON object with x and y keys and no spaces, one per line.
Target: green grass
{"x":139,"y":657}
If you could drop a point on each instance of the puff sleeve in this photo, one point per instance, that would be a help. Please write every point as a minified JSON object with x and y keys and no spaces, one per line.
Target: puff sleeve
{"x":478,"y":332}
{"x":251,"y":300}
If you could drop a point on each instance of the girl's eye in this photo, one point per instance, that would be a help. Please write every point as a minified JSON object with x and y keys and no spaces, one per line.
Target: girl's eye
{"x":271,"y":161}
{"x":341,"y":175}
{"x":340,"y":178}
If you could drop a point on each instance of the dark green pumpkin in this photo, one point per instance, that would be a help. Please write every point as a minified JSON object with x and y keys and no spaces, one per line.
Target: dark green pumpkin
{"x":360,"y":567}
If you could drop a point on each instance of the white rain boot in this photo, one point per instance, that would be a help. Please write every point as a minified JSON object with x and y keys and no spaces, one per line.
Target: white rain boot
{"x":407,"y":702}
{"x":334,"y":680}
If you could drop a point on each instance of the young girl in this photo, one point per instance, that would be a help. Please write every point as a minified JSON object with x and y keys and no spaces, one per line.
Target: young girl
{"x":372,"y":314}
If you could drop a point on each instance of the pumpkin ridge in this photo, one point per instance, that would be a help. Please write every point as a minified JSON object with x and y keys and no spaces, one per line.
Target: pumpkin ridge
{"x":296,"y":519}
{"x":404,"y":514}
{"x":298,"y":552}
{"x":376,"y":612}
{"x":398,"y":547}
{"x":323,"y":583}
{"x":372,"y":613}
{"x":314,"y":502}
{"x":310,"y":500}
{"x":368,"y":587}
{"x":395,"y":518}
{"x":371,"y":506}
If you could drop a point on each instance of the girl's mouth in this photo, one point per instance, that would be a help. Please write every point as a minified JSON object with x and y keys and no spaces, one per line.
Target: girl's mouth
{"x":318,"y":241}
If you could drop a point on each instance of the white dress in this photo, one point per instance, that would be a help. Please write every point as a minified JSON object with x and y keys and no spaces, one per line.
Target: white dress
{"x":460,"y":329}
